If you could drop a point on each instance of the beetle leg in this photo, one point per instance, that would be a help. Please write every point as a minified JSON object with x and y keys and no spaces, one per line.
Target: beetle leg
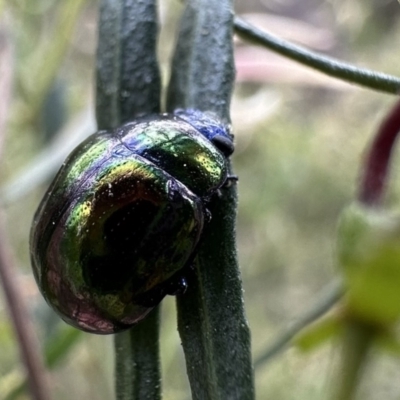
{"x":207,"y":216}
{"x":177,"y":286}
{"x":230,"y":180}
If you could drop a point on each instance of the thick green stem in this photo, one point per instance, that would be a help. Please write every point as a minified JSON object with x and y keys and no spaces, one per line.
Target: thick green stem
{"x":338,"y":69}
{"x":128,"y":85}
{"x":128,"y":80}
{"x":203,"y":72}
{"x":211,"y":319}
{"x":137,"y":361}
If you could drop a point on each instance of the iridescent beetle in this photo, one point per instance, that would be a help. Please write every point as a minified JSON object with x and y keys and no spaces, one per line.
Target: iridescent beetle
{"x":122,"y":219}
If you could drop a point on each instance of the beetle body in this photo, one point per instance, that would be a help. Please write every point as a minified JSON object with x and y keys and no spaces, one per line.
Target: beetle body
{"x":124,"y":215}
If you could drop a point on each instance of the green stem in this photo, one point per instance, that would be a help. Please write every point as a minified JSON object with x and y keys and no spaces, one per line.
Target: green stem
{"x":356,"y":345}
{"x":202,"y":73}
{"x":127,"y":85}
{"x":137,"y":361}
{"x":128,"y":81}
{"x":211,"y":318}
{"x":338,"y":69}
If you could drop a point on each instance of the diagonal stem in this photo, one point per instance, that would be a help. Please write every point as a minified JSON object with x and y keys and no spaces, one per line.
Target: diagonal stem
{"x":328,"y":297}
{"x":335,"y":68}
{"x":23,"y":326}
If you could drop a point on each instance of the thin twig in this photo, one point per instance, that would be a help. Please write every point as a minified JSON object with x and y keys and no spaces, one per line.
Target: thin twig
{"x":364,"y":77}
{"x":328,"y":297}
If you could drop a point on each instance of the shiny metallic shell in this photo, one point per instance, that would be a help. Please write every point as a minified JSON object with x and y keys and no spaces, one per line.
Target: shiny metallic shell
{"x":121,"y":219}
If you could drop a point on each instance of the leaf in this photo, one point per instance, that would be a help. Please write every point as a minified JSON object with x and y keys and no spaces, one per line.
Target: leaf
{"x":59,"y":346}
{"x":369,"y":257}
{"x":389,"y":342}
{"x":318,"y":333}
{"x":56,"y":348}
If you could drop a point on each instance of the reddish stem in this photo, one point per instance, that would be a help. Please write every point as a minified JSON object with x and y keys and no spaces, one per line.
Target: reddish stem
{"x":376,"y":166}
{"x":24,"y":329}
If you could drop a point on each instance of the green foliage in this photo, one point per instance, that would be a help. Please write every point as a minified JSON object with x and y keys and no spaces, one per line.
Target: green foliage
{"x":318,"y":334}
{"x":369,"y":256}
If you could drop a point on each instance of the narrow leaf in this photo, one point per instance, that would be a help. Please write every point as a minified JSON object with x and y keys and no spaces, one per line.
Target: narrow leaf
{"x":318,"y":333}
{"x":59,"y":346}
{"x":55,"y":351}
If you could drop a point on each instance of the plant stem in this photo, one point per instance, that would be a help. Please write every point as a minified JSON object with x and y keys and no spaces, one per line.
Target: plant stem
{"x":128,"y":81}
{"x":211,"y":318}
{"x":328,"y":297}
{"x":127,"y":85}
{"x":137,"y":361}
{"x":356,"y":345}
{"x":376,"y":166}
{"x":338,"y":69}
{"x":28,"y":345}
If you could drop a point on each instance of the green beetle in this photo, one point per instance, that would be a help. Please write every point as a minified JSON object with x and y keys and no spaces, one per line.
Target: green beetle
{"x":122,"y":219}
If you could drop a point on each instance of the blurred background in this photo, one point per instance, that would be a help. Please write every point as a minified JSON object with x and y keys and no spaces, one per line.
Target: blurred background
{"x":300,"y":137}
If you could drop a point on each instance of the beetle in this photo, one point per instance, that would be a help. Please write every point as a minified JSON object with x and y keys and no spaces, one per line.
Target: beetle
{"x":122,"y":220}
